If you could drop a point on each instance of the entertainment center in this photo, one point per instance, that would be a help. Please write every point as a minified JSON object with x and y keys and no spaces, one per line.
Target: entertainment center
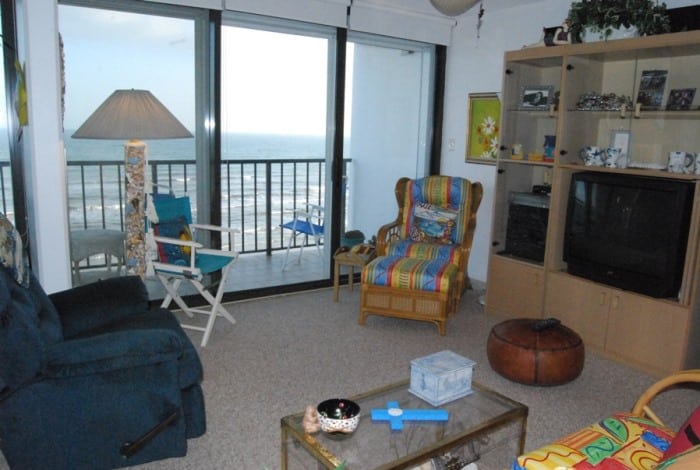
{"x":614,"y":253}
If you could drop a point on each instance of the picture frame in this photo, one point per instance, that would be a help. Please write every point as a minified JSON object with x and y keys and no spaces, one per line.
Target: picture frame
{"x":622,"y":139}
{"x":651,"y":88}
{"x":483,"y":128}
{"x":680,"y":99}
{"x":536,"y":97}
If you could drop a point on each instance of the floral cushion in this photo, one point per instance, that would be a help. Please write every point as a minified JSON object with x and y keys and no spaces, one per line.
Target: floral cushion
{"x":12,"y":256}
{"x":622,"y":441}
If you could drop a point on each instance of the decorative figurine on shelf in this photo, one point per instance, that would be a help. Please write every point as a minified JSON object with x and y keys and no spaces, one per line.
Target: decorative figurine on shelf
{"x":562,"y":35}
{"x":555,"y":36}
{"x":310,"y":421}
{"x":550,"y":142}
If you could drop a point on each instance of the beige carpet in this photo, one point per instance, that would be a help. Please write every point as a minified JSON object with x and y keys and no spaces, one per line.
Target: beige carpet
{"x":287,"y":352}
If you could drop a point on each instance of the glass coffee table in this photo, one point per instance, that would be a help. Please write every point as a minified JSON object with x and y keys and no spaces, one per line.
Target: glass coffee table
{"x":484,"y":427}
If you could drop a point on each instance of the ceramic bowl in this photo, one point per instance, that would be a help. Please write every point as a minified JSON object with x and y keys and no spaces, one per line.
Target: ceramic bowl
{"x":338,"y":415}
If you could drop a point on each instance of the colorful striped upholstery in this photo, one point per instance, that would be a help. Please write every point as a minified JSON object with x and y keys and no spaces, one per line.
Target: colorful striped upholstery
{"x":443,"y":191}
{"x":425,"y":251}
{"x":410,"y":273}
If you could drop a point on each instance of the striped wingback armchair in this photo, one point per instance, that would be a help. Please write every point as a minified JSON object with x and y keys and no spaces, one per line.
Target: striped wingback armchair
{"x":436,"y":220}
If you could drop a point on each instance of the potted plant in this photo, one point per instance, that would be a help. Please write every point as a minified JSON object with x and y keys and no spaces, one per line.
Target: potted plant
{"x":605,"y":16}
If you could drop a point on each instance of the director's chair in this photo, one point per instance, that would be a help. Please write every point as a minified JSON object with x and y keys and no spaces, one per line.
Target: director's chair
{"x":180,"y":257}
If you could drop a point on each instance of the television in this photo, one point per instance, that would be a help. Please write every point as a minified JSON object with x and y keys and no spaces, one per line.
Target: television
{"x":628,"y":231}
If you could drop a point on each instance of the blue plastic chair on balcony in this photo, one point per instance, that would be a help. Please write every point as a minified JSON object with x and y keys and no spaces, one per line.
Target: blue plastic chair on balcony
{"x":181,"y":257}
{"x":307,"y":222}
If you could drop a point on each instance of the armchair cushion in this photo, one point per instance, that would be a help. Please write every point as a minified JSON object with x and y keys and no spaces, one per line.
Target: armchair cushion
{"x":91,"y":306}
{"x":425,"y":251}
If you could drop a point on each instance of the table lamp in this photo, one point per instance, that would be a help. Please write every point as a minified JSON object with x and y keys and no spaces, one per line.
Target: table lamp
{"x":133,"y":115}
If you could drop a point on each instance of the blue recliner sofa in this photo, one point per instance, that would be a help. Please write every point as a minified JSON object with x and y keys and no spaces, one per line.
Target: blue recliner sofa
{"x":92,"y":378}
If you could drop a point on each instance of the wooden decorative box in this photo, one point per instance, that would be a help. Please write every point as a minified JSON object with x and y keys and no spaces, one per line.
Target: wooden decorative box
{"x":441,"y":377}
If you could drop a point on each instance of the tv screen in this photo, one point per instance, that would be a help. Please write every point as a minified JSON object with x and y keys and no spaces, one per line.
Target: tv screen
{"x":628,"y":231}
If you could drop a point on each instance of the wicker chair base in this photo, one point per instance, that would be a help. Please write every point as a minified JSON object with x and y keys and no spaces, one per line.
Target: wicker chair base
{"x":410,"y":304}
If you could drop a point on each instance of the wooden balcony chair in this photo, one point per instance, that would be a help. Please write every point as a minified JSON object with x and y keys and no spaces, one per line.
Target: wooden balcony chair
{"x":182,"y":258}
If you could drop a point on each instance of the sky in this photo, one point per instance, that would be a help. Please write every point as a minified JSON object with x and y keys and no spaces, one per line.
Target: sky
{"x":270,"y":88}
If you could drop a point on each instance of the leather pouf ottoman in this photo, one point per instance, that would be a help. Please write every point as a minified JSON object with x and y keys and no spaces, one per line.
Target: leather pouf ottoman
{"x":535,"y":351}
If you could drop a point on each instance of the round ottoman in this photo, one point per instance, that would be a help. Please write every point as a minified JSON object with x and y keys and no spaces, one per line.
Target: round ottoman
{"x":535,"y":351}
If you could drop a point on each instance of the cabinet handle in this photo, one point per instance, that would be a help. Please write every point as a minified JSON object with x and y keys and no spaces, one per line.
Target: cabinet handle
{"x":615,"y":301}
{"x":570,"y":67}
{"x":563,"y":152}
{"x":638,"y":110}
{"x":623,"y":111}
{"x":502,"y":148}
{"x":509,"y":72}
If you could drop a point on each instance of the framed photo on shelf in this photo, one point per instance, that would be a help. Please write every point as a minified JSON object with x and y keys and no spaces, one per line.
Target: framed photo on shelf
{"x":651,"y":88}
{"x":621,"y":139}
{"x":483,"y":131}
{"x":680,"y":99}
{"x":534,"y":97}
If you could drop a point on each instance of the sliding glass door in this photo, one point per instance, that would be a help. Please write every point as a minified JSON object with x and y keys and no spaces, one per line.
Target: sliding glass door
{"x":277,"y":79}
{"x":388,"y":109}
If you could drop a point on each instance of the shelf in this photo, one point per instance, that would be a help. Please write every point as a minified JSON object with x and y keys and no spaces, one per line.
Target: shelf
{"x":631,"y":171}
{"x":512,"y":161}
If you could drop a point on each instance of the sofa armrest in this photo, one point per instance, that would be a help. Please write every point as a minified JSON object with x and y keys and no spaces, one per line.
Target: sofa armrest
{"x":100,"y":303}
{"x":112,"y":351}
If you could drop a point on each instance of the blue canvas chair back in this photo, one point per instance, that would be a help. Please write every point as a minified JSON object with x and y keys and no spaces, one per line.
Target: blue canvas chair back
{"x":170,"y":208}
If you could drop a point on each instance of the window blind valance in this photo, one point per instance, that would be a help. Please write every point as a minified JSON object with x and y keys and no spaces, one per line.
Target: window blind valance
{"x":418,"y":24}
{"x":325,"y":12}
{"x":416,"y":20}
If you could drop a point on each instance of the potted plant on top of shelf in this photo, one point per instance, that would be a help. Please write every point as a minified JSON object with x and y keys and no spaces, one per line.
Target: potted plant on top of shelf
{"x":625,"y":18}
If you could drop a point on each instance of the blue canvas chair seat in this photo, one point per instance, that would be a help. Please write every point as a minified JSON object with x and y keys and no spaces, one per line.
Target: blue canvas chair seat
{"x":182,"y":258}
{"x":307,"y":222}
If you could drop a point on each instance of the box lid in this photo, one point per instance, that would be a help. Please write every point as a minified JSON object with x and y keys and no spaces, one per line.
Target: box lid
{"x":443,"y":361}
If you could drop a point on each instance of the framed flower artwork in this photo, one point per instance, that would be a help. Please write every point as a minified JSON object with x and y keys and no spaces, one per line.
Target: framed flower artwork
{"x":483,"y":130}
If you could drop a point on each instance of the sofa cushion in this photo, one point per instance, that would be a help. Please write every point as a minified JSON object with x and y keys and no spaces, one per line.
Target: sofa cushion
{"x":617,"y":442}
{"x":29,"y":324}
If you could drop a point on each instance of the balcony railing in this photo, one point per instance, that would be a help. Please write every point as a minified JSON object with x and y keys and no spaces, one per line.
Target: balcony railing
{"x":256,"y":195}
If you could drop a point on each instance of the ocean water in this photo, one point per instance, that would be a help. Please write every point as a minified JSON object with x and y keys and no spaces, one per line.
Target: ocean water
{"x":94,"y":191}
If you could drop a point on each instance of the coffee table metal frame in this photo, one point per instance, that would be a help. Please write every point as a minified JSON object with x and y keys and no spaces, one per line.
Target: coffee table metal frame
{"x":291,"y":428}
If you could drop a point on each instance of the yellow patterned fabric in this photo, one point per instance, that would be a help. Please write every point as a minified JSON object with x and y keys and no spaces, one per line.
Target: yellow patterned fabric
{"x":410,"y":273}
{"x":622,"y":441}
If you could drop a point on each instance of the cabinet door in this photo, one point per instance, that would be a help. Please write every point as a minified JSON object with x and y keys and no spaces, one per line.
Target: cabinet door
{"x":514,"y":289}
{"x":649,"y":333}
{"x":580,"y":305}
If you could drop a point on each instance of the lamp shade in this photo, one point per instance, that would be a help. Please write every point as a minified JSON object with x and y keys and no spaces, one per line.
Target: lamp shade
{"x":453,"y":7}
{"x":132,"y":114}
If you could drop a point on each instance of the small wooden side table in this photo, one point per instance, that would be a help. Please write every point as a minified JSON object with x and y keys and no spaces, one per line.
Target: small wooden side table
{"x":357,"y":255}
